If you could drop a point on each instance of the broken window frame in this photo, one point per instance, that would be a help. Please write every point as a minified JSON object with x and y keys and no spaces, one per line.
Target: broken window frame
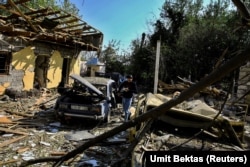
{"x":5,"y":61}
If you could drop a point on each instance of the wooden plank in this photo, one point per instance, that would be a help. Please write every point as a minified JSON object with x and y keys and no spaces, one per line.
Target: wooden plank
{"x":7,"y":28}
{"x":12,"y":131}
{"x":12,"y":141}
{"x":57,"y":153}
{"x":23,"y":149}
{"x":24,"y":16}
{"x":8,"y":162}
{"x":19,"y":113}
{"x":4,"y":120}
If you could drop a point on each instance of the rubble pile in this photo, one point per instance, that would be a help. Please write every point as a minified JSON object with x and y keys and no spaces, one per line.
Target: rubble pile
{"x":29,"y":130}
{"x":162,"y":137}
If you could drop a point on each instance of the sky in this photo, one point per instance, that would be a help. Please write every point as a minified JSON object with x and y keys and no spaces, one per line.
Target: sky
{"x":119,"y":20}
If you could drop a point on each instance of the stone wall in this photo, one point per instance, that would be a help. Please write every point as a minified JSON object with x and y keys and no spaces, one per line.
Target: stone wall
{"x":14,"y":81}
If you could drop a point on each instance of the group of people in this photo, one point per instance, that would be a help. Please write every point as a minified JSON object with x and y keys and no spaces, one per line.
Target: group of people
{"x":127,"y":89}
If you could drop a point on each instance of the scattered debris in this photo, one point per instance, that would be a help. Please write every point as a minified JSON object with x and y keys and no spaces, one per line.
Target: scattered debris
{"x":30,"y":131}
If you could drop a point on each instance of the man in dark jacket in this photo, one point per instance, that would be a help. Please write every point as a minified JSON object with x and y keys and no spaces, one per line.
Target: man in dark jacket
{"x":127,"y":89}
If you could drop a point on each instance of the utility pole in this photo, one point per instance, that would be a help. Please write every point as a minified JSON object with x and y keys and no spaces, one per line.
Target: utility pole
{"x":157,"y":65}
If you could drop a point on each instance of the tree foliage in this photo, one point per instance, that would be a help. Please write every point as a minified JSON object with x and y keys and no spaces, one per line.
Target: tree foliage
{"x":194,"y":38}
{"x":113,"y":61}
{"x":65,"y":5}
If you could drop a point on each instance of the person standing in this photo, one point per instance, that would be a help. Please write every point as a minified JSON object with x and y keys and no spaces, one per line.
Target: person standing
{"x":127,"y":89}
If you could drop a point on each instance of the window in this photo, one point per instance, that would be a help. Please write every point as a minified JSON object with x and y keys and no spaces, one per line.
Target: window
{"x":5,"y":58}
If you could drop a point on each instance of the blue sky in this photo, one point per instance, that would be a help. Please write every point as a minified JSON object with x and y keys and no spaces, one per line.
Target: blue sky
{"x":120,"y":20}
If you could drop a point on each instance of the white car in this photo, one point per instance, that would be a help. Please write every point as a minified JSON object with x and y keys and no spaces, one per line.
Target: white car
{"x":89,"y":97}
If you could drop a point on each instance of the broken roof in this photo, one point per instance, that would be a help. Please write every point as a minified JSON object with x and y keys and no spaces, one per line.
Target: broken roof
{"x":47,"y":25}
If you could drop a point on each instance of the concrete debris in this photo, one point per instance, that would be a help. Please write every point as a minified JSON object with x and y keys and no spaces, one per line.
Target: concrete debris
{"x":78,"y":135}
{"x":29,"y":130}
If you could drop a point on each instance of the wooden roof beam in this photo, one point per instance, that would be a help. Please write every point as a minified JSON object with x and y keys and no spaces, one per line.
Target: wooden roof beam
{"x":48,"y":37}
{"x":2,"y":21}
{"x":86,"y":28}
{"x":90,"y":33}
{"x":87,"y":45}
{"x":93,"y":34}
{"x":14,"y":32}
{"x":7,"y":28}
{"x":76,"y":31}
{"x":70,"y":21}
{"x":37,"y":11}
{"x":68,"y":27}
{"x":15,"y":14}
{"x":16,"y":2}
{"x":3,"y":7}
{"x":46,"y":14}
{"x":78,"y":42}
{"x":61,"y":33}
{"x":11,"y":11}
{"x":61,"y":17}
{"x":15,"y":7}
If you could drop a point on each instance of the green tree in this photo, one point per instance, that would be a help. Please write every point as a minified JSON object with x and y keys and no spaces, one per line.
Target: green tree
{"x":196,"y":36}
{"x":36,"y":4}
{"x":202,"y":42}
{"x":65,"y":5}
{"x":113,"y":61}
{"x":70,"y":8}
{"x":194,"y":39}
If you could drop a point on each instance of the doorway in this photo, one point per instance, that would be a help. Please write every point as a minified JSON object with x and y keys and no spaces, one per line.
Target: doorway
{"x":41,"y":70}
{"x":65,"y":70}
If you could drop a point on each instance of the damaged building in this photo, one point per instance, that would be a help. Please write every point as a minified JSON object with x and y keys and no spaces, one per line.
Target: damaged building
{"x":39,"y":48}
{"x":42,"y":48}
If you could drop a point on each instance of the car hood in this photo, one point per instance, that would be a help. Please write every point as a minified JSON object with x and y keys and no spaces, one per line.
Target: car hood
{"x":86,"y":83}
